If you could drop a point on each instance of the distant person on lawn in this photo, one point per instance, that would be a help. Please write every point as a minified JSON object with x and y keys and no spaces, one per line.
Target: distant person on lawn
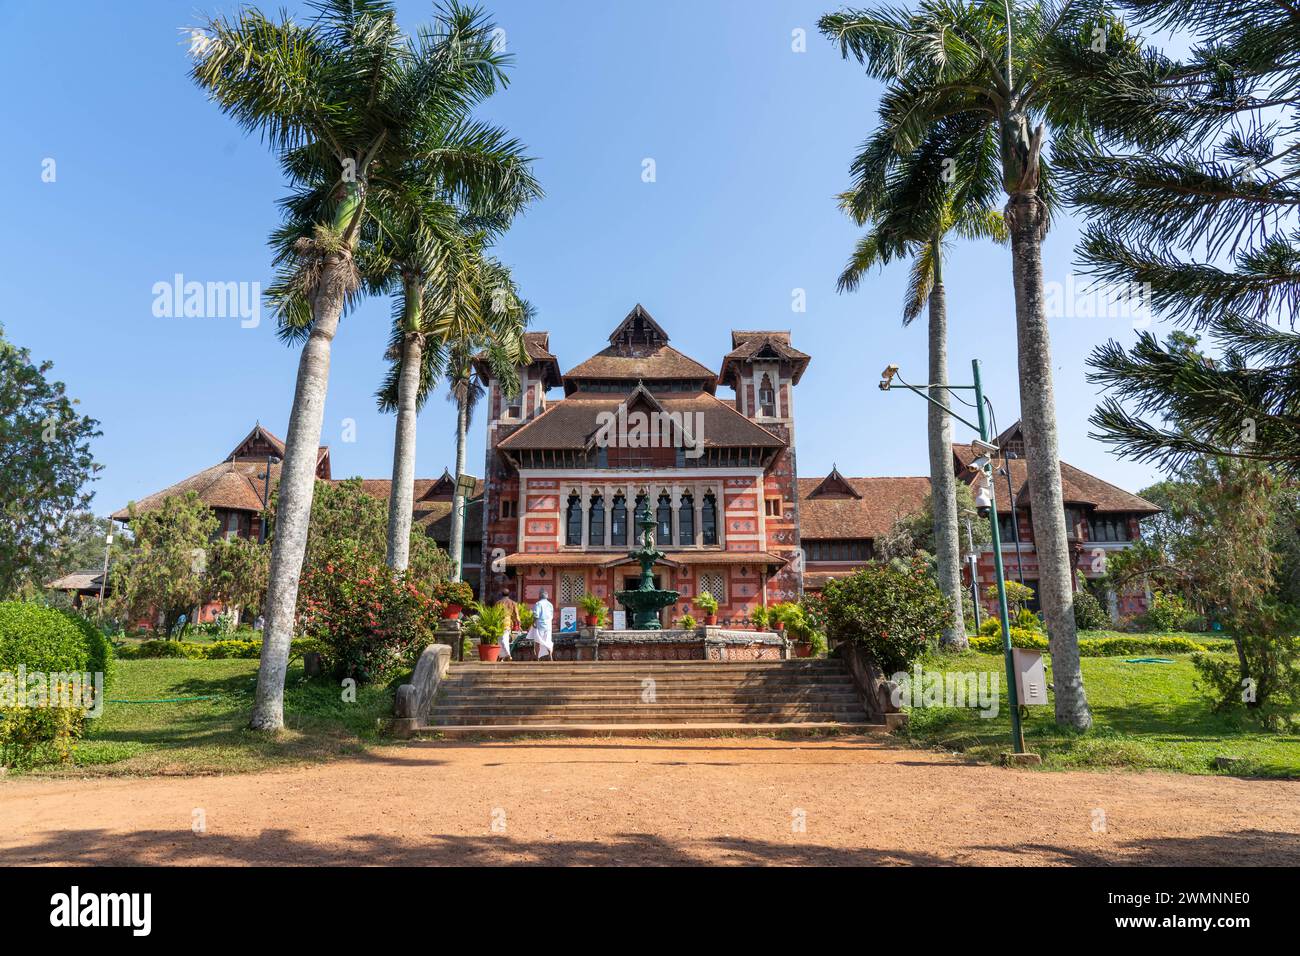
{"x":511,"y":610}
{"x":540,"y":632}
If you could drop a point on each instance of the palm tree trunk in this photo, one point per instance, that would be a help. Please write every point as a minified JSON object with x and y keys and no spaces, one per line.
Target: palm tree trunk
{"x":458,"y":502}
{"x":1025,"y":220}
{"x":943,"y":482}
{"x":297,"y":486}
{"x":401,"y":496}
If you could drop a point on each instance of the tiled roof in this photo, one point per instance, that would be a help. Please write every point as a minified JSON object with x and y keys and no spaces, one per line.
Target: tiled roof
{"x":572,"y":422}
{"x":77,"y":581}
{"x":882,"y":502}
{"x":759,"y":345}
{"x":635,"y":363}
{"x":1077,"y":486}
{"x":434,"y":516}
{"x":232,"y":484}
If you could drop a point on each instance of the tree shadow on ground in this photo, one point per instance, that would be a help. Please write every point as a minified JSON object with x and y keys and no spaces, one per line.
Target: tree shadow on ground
{"x":281,"y":847}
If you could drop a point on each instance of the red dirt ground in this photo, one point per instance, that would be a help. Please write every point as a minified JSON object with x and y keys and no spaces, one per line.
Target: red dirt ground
{"x":649,"y":802}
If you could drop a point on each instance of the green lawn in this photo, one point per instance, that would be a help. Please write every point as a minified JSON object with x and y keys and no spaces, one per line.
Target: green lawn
{"x":209,"y":736}
{"x":1147,"y":716}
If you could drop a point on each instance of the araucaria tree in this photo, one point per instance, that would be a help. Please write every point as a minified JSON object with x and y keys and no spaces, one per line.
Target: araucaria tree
{"x":46,"y":469}
{"x":1200,"y":210}
{"x":349,"y":92}
{"x":970,"y":90}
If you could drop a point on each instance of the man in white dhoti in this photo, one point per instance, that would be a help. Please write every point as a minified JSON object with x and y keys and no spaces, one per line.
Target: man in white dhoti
{"x":540,"y":632}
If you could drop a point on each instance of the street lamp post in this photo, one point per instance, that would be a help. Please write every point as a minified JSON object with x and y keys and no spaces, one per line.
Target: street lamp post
{"x":987,"y":497}
{"x":103,"y":578}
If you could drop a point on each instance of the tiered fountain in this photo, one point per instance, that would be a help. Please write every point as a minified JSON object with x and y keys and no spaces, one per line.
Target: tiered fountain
{"x":645,"y":603}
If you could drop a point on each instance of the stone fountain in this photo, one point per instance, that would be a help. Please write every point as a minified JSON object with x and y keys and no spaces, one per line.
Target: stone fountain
{"x":645,"y":603}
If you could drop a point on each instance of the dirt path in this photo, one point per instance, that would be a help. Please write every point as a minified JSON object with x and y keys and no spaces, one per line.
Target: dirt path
{"x":838,"y":800}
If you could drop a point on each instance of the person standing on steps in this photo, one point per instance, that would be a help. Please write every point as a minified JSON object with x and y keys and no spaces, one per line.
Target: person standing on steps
{"x":540,"y":632}
{"x":511,"y":614}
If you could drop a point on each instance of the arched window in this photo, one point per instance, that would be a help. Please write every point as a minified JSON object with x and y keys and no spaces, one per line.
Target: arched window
{"x":709,"y":519}
{"x":664,"y":518}
{"x":767,"y":397}
{"x":573,"y":521}
{"x":686,"y":520}
{"x":618,"y":521}
{"x":596,"y":522}
{"x":640,"y":505}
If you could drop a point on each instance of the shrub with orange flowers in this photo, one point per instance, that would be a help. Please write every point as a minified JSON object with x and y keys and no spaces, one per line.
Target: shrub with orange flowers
{"x":372,"y":622}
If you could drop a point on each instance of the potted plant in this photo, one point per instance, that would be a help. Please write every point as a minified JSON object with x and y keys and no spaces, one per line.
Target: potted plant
{"x":593,"y":608}
{"x":487,"y":626}
{"x":526,"y":618}
{"x":455,"y":596}
{"x":707,"y":603}
{"x":790,"y":618}
{"x":686,"y":623}
{"x":760,"y":617}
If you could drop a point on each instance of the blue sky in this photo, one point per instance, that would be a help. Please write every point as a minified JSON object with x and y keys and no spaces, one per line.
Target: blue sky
{"x":751,"y":142}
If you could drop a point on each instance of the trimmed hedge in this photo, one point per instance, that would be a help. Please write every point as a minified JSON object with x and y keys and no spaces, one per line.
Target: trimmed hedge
{"x":1094,"y":647}
{"x":216,"y":650}
{"x":47,"y":639}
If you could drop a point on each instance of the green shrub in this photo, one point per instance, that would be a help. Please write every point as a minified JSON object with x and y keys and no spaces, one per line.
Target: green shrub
{"x":33,"y":736}
{"x":706,"y":602}
{"x":41,"y":639}
{"x":215,"y":650}
{"x":991,"y":626}
{"x":160,"y":648}
{"x":1166,"y":613}
{"x":1089,"y":615}
{"x":1027,"y":620}
{"x":99,"y":649}
{"x":220,"y":650}
{"x":893,"y":613}
{"x":1093,"y":647}
{"x":1020,"y":637}
{"x":454,"y":592}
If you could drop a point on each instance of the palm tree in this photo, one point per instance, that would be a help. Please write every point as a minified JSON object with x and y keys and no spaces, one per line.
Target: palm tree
{"x":969,"y":87}
{"x":445,"y":310}
{"x":895,"y":233}
{"x":348,"y":92}
{"x":499,"y":349}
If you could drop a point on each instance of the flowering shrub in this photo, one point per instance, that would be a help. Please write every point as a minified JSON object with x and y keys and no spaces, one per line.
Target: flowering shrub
{"x":371,"y":621}
{"x":891,"y":612}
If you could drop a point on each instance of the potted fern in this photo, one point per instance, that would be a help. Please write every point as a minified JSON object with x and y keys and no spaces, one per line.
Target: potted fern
{"x":759,"y":617}
{"x":486,"y":626}
{"x":686,"y":623}
{"x":593,"y":608}
{"x":707,"y":603}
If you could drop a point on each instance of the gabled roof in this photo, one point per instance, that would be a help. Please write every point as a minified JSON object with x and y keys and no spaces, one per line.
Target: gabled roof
{"x":78,"y":581}
{"x":257,"y":444}
{"x":1077,"y":486}
{"x":431,"y":512}
{"x":572,"y":422}
{"x":237,"y":483}
{"x":638,"y":328}
{"x":834,"y":485}
{"x":869,"y":512}
{"x":759,"y":346}
{"x":639,"y":363}
{"x":537,"y":348}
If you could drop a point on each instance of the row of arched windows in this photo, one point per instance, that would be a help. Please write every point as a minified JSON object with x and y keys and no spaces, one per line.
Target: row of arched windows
{"x":621,"y":523}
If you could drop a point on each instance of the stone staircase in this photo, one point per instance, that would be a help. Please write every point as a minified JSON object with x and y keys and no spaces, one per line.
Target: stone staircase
{"x":677,"y":698}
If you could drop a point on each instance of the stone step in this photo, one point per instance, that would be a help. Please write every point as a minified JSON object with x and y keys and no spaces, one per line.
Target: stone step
{"x":525,"y":715}
{"x":702,"y":686}
{"x":636,"y":695}
{"x":681,"y":730}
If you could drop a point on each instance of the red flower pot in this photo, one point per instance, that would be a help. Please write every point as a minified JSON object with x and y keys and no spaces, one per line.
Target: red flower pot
{"x":803,"y":649}
{"x":451,"y":612}
{"x":593,"y":620}
{"x":710,"y":619}
{"x":780,"y":626}
{"x":489,"y":652}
